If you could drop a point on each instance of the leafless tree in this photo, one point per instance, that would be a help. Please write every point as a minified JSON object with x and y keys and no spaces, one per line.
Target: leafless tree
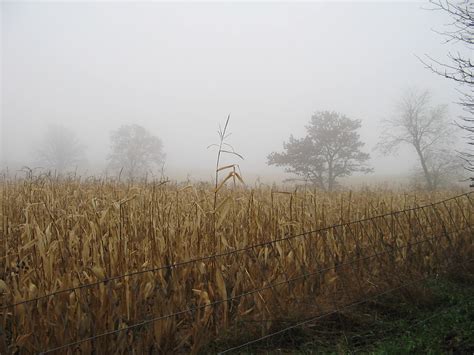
{"x":134,"y":151}
{"x":445,"y":167}
{"x":459,"y":67}
{"x":60,"y":149}
{"x":424,"y":127}
{"x":331,"y":150}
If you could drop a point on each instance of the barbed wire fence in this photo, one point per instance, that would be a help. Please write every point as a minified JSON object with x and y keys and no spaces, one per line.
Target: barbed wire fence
{"x":340,"y":309}
{"x":326,"y":270}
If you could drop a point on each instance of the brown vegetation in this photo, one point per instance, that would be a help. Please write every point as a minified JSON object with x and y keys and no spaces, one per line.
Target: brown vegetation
{"x":70,"y":235}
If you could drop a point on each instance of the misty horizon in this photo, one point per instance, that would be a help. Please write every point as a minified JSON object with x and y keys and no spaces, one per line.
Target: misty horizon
{"x":179,"y":69}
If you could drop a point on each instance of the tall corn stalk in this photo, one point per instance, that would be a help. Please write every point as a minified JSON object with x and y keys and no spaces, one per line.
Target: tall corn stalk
{"x":225,"y":148}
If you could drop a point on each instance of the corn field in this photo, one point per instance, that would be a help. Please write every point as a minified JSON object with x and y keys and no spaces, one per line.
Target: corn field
{"x":92,"y":266}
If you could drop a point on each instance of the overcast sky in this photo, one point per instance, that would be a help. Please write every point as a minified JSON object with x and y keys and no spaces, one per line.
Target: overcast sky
{"x":179,"y":69}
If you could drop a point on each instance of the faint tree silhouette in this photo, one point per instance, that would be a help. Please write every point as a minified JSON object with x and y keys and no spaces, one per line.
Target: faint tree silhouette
{"x":425,"y":128}
{"x":134,"y":151}
{"x":60,"y":149}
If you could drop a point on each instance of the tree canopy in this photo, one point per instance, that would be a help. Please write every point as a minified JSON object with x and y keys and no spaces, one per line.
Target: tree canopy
{"x":134,"y":151}
{"x":459,"y":65}
{"x":330,"y":150}
{"x":426,"y":128}
{"x":60,"y":149}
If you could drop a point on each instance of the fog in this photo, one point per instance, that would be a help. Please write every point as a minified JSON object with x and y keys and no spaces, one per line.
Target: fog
{"x":179,"y":69}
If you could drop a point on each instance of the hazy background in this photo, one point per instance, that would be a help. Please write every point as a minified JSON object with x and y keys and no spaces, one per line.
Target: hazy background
{"x":179,"y":69}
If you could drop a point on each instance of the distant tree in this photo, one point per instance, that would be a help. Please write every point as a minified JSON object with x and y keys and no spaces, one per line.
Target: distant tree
{"x":60,"y":149}
{"x":459,"y":67}
{"x":134,"y":151}
{"x":445,"y":167}
{"x":330,"y":150}
{"x":423,"y":127}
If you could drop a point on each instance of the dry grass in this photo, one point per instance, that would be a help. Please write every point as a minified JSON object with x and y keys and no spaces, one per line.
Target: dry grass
{"x":61,"y":234}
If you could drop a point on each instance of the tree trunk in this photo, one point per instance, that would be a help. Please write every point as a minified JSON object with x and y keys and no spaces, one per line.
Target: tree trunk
{"x":330,"y":176}
{"x":427,"y":174}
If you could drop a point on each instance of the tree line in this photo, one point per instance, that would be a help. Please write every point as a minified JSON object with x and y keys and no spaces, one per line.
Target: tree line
{"x":323,"y":156}
{"x":331,"y":149}
{"x":134,"y":151}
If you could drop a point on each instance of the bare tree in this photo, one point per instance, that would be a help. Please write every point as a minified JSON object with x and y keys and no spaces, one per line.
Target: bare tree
{"x":60,"y":149}
{"x":331,"y":150}
{"x":423,"y":127}
{"x":445,"y":167}
{"x":459,"y":67}
{"x":134,"y":151}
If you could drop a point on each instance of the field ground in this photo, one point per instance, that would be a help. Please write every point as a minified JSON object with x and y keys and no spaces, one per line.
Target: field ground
{"x":99,"y":267}
{"x":436,"y":317}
